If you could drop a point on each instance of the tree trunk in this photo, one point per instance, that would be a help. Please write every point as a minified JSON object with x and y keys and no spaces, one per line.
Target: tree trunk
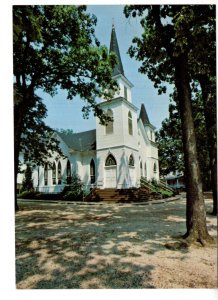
{"x":213,"y":162}
{"x":195,"y":207}
{"x":17,"y":136}
{"x":210,"y":118}
{"x":16,"y":162}
{"x":20,"y":108}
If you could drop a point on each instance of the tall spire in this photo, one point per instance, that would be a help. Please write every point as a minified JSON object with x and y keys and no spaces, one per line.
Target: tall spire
{"x":144,"y":116}
{"x":118,"y":69}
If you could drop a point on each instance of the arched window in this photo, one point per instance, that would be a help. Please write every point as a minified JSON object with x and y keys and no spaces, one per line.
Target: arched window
{"x":110,"y":161}
{"x":92,"y":171}
{"x":46,"y":174}
{"x":145,"y":170}
{"x":131,"y":161}
{"x":54,"y":173}
{"x":68,"y":172}
{"x":59,"y":172}
{"x":155,"y":167}
{"x":130,"y":123}
{"x":110,"y":126}
{"x":141,"y":170}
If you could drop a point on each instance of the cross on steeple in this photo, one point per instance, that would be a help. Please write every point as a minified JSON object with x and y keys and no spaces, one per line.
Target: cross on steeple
{"x":113,"y":23}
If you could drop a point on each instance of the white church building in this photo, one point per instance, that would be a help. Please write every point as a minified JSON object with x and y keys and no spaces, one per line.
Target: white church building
{"x":115,"y":155}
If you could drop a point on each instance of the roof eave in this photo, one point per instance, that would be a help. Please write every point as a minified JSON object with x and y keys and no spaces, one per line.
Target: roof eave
{"x":114,"y":100}
{"x":129,"y":83}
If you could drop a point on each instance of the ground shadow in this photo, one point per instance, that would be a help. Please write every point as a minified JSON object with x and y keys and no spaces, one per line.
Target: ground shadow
{"x":92,"y":246}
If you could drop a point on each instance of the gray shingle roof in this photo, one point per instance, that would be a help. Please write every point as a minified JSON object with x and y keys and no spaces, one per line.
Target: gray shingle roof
{"x":118,"y":69}
{"x":82,"y":141}
{"x":144,"y":116}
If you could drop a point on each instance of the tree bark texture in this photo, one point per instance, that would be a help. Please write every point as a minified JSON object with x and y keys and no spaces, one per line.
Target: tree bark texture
{"x":195,"y":207}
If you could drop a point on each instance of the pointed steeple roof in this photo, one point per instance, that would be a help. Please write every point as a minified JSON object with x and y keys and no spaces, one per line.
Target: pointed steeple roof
{"x":144,"y":116}
{"x":118,"y":69}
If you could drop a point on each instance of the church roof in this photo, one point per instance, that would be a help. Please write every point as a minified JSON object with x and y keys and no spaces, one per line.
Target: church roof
{"x":82,"y":141}
{"x":144,"y":116}
{"x":118,"y":69}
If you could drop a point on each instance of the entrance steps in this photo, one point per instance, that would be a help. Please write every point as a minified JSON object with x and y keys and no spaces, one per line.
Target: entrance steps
{"x":118,"y":195}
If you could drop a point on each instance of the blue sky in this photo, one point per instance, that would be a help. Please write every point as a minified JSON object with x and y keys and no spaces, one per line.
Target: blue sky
{"x":63,"y":113}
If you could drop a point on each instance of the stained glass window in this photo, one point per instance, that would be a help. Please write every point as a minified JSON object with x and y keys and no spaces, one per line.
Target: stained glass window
{"x":59,"y":173}
{"x":141,"y":170}
{"x":131,"y":161}
{"x":155,"y":167}
{"x":130,"y":123}
{"x":54,"y":173}
{"x":110,"y":126}
{"x":145,"y":171}
{"x":110,"y":161}
{"x":92,"y":171}
{"x":46,"y":174}
{"x":68,"y":172}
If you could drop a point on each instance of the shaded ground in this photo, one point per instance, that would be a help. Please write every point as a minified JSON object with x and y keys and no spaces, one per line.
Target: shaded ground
{"x":109,"y":246}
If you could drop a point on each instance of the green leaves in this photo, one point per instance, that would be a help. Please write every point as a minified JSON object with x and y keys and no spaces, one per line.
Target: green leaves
{"x":37,"y":140}
{"x":169,"y":139}
{"x":152,"y":48}
{"x":67,"y":54}
{"x":169,"y":142}
{"x":27,"y":183}
{"x":170,"y":31}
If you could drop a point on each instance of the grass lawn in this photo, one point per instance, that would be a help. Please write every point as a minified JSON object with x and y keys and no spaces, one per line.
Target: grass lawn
{"x":112,"y":246}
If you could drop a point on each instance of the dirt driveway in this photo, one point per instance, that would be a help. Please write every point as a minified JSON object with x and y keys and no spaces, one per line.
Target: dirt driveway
{"x":112,"y":246}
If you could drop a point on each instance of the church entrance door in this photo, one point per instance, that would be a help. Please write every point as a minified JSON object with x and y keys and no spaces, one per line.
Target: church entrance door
{"x":110,"y":177}
{"x":132,"y":176}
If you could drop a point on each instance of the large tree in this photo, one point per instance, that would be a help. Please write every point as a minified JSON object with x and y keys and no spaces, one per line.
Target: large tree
{"x":55,"y":47}
{"x":164,"y":51}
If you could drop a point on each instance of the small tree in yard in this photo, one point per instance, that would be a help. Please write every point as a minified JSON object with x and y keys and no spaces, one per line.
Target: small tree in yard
{"x":27,"y":183}
{"x":74,"y":189}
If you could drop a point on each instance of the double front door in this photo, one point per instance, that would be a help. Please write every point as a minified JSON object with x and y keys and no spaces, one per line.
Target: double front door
{"x":111,"y":177}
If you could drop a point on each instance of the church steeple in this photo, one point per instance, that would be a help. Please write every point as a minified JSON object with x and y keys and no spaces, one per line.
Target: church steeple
{"x":144,"y":116}
{"x":118,"y":69}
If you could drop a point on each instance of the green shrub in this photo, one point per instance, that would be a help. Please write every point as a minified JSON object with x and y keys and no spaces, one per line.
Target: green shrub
{"x":73,"y":191}
{"x":29,"y":195}
{"x":156,"y":187}
{"x":166,"y":194}
{"x":72,"y":196}
{"x":27,"y":183}
{"x":154,"y":182}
